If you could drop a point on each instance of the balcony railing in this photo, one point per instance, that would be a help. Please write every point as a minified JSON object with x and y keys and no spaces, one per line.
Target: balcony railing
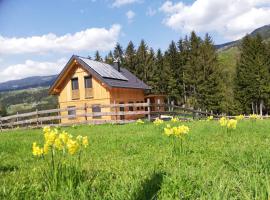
{"x":88,"y":93}
{"x":75,"y":94}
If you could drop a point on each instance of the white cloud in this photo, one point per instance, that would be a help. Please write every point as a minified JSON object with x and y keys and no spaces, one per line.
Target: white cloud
{"x":90,"y":39}
{"x":151,"y":12}
{"x":130,"y":15}
{"x":119,"y":3}
{"x":31,"y":68}
{"x":230,"y":18}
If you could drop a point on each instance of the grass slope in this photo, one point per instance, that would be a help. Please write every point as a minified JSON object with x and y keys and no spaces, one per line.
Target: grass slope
{"x":135,"y":162}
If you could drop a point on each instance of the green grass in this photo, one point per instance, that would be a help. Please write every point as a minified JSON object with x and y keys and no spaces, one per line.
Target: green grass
{"x":135,"y":162}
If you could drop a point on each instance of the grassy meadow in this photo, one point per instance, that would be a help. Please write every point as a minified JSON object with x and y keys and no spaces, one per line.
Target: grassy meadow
{"x":135,"y":161}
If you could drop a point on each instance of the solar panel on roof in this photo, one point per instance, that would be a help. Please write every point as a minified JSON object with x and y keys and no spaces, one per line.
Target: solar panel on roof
{"x":104,"y":70}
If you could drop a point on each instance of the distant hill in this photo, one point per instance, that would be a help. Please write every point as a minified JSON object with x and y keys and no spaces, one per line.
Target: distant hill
{"x":26,"y":83}
{"x":264,"y":31}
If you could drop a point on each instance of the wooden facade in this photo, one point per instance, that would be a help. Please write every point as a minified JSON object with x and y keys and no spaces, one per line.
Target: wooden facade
{"x":72,"y":92}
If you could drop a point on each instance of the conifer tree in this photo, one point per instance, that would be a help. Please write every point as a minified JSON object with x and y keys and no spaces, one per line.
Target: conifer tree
{"x":98,"y":57}
{"x":109,"y":58}
{"x":130,"y":57}
{"x":252,"y":76}
{"x":209,"y":86}
{"x":193,"y":69}
{"x":141,"y":57}
{"x":3,"y":110}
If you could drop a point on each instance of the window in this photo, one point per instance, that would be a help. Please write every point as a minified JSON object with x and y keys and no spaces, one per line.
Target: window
{"x":138,"y":107}
{"x":130,"y":108}
{"x":88,"y":81}
{"x":142,"y":106}
{"x":96,"y":109}
{"x":88,"y":87}
{"x":75,"y":84}
{"x":71,"y":112}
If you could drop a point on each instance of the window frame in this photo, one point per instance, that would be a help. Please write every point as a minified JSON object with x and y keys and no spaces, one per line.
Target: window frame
{"x":96,"y":106}
{"x":130,"y":108}
{"x":72,"y":85}
{"x":89,"y":77}
{"x":70,"y":115}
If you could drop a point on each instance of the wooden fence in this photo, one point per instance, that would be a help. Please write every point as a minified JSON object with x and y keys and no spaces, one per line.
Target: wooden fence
{"x":52,"y":117}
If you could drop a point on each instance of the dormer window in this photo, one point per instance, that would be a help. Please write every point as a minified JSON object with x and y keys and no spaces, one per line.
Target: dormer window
{"x":88,"y":87}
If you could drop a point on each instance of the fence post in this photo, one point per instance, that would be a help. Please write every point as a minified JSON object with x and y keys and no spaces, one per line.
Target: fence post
{"x":172,"y":103}
{"x":37,"y":116}
{"x":1,"y":123}
{"x":85,"y":112}
{"x":148,"y":109}
{"x":115,"y":111}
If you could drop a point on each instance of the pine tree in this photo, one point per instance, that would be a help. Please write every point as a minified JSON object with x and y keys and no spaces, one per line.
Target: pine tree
{"x":209,"y":86}
{"x":130,"y":57}
{"x":98,"y":57}
{"x":171,"y":84}
{"x":141,"y":57}
{"x":109,"y":58}
{"x":252,"y":75}
{"x":192,"y":69}
{"x":3,"y":110}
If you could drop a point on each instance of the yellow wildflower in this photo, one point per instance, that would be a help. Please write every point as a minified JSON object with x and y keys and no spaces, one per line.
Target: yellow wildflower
{"x":231,"y":124}
{"x":46,"y":129}
{"x":46,"y":148}
{"x":50,"y":136}
{"x":139,"y":121}
{"x":85,"y":141}
{"x":72,"y":146}
{"x":239,"y":117}
{"x":58,"y":144}
{"x":174,"y":119}
{"x":37,"y":151}
{"x":254,"y":117}
{"x":176,"y":131}
{"x":210,"y":118}
{"x":158,"y":122}
{"x":64,"y":137}
{"x":223,"y":121}
{"x":168,"y":131}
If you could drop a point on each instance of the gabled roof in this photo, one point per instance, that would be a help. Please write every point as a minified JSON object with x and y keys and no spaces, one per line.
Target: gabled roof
{"x":106,"y":73}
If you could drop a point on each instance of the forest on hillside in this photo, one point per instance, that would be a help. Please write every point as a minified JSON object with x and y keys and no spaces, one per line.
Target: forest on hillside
{"x":192,"y":74}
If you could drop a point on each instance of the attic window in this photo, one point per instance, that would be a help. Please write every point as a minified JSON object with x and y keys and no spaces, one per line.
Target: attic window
{"x":88,"y":81}
{"x":75,"y":84}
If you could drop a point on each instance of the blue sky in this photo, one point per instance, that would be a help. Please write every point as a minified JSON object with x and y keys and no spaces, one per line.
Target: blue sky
{"x":38,"y":36}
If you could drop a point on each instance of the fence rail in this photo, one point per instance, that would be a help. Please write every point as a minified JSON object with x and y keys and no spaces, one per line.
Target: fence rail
{"x":40,"y":118}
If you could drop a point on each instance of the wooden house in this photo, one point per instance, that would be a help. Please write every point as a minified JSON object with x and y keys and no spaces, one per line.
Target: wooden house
{"x":87,"y":82}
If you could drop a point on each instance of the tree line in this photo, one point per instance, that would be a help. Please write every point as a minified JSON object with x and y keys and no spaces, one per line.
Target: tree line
{"x":190,"y":73}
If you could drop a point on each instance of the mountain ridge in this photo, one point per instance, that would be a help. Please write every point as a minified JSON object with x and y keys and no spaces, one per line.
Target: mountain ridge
{"x":27,"y":83}
{"x":264,"y":31}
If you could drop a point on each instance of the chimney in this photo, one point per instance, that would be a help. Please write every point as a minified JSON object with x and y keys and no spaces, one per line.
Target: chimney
{"x":116,"y":64}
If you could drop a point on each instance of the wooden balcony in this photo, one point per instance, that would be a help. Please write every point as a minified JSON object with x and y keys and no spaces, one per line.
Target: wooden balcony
{"x":88,"y":93}
{"x":75,"y":94}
